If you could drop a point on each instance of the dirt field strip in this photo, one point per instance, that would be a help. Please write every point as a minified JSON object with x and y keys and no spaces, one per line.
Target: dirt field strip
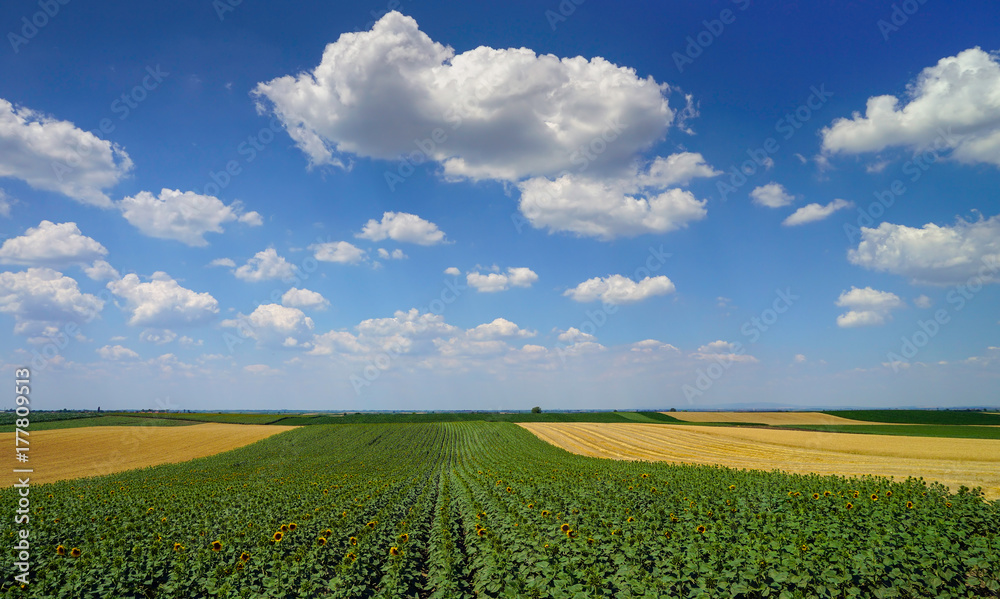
{"x":61,"y":454}
{"x":953,"y":462}
{"x":772,"y":418}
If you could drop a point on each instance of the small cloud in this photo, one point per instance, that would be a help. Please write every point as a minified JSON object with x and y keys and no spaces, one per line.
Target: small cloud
{"x":253,"y":219}
{"x":799,"y":358}
{"x":869,"y":307}
{"x":303,"y":298}
{"x":451,"y":270}
{"x":226,"y":262}
{"x":876,"y":167}
{"x":101,"y":271}
{"x":117,"y":352}
{"x":403,"y":227}
{"x":396,"y":254}
{"x":265,"y":265}
{"x":815,"y":212}
{"x":495,"y":281}
{"x":772,"y":195}
{"x":618,"y":289}
{"x":340,"y":252}
{"x":923,"y":302}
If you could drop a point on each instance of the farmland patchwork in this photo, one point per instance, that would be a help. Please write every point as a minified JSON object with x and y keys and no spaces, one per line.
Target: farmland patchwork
{"x":465,"y":509}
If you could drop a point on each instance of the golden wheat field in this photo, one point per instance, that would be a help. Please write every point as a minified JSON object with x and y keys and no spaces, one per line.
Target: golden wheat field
{"x":61,"y":454}
{"x":770,"y":418}
{"x":953,"y":462}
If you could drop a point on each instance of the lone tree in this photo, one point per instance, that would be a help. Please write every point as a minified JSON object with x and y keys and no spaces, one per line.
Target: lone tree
{"x":673,"y":409}
{"x":536,"y":410}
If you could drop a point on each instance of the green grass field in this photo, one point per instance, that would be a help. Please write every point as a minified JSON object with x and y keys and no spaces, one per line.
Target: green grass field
{"x":472,"y":509}
{"x":99,"y":421}
{"x":649,"y":417}
{"x":224,"y":417}
{"x":948,"y":417}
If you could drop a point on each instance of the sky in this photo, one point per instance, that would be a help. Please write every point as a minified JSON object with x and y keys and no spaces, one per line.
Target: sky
{"x":225,"y":204}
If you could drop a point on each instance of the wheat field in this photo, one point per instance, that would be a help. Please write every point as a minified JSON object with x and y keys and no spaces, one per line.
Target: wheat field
{"x":953,"y":462}
{"x":60,"y":454}
{"x":769,"y":418}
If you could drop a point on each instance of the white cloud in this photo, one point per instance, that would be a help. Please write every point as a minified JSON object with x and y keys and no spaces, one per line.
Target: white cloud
{"x":618,"y":289}
{"x":814,"y":212}
{"x":954,"y":105}
{"x":396,"y":254}
{"x":933,"y":254}
{"x":676,"y":169}
{"x":648,"y":346}
{"x":494,"y":281}
{"x":575,"y":335}
{"x":40,"y":298}
{"x":157,"y":336}
{"x":341,"y":252}
{"x":772,"y":195}
{"x":498,"y":329}
{"x":5,"y":204}
{"x":410,"y":323}
{"x":610,"y":207}
{"x":923,"y":302}
{"x":868,"y":307}
{"x":723,"y":351}
{"x":495,"y":114}
{"x":100,"y":270}
{"x":451,"y":270}
{"x":275,"y":325}
{"x":162,"y":302}
{"x":251,"y":219}
{"x":54,"y":155}
{"x":181,"y":216}
{"x":117,"y":352}
{"x":465,"y":347}
{"x":799,"y":358}
{"x":304,"y":298}
{"x":265,"y":265}
{"x":53,"y":245}
{"x":403,"y":227}
{"x":226,"y":262}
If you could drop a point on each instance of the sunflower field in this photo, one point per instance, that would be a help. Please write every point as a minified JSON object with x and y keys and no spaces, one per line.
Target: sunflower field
{"x":473,"y":509}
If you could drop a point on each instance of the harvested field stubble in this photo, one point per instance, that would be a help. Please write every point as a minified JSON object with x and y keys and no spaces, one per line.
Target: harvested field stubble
{"x":91,"y":451}
{"x":953,"y":462}
{"x":770,"y":418}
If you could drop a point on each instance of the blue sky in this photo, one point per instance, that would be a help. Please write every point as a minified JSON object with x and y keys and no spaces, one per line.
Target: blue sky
{"x":221,"y":205}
